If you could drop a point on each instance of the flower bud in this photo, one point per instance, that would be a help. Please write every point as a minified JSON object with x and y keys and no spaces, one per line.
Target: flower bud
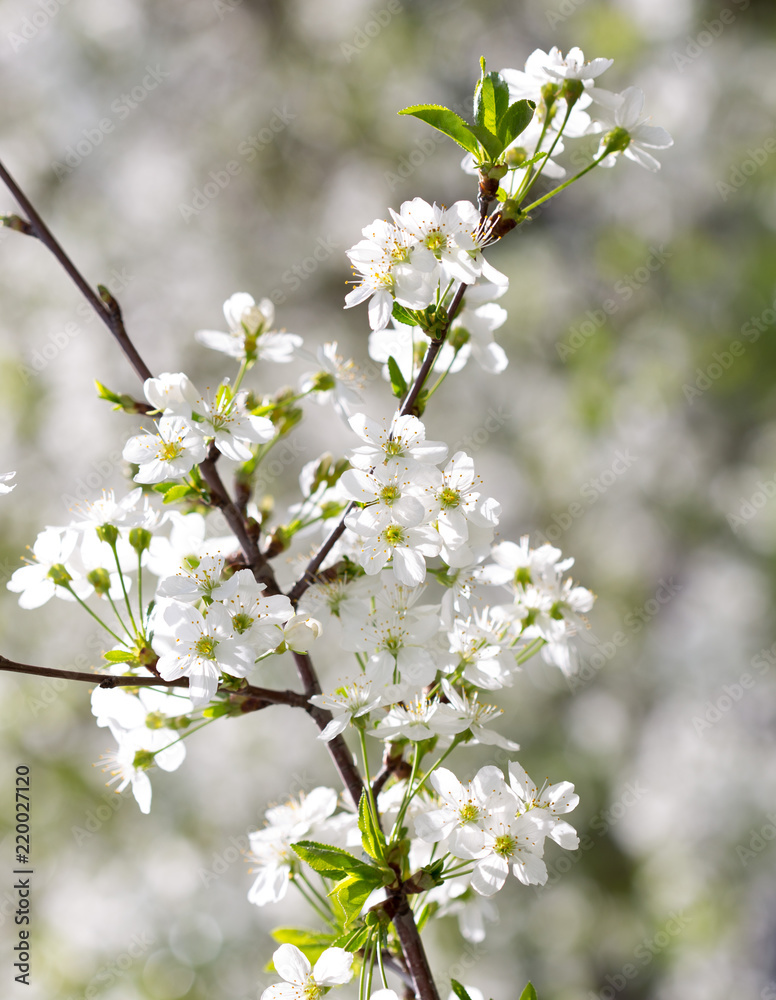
{"x":516,"y":157}
{"x":108,"y":533}
{"x":100,"y":580}
{"x":59,"y":575}
{"x":300,"y":633}
{"x":616,"y":140}
{"x":144,"y":759}
{"x":139,"y":539}
{"x":572,"y":90}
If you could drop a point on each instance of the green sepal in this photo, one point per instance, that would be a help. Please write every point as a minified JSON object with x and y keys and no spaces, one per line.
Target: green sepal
{"x":491,"y":100}
{"x":447,"y":122}
{"x":333,"y":862}
{"x":398,"y":382}
{"x":529,"y":993}
{"x":372,"y":839}
{"x":402,"y":315}
{"x":516,"y":120}
{"x":351,"y":893}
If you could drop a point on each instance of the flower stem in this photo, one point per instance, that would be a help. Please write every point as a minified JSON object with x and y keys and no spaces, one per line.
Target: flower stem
{"x":95,"y":616}
{"x":564,"y":185}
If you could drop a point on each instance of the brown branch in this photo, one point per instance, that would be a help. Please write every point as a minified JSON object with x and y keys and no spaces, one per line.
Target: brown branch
{"x":110,"y":317}
{"x":265,"y":696}
{"x":109,"y":312}
{"x":257,"y":562}
{"x":431,"y":353}
{"x":308,"y":577}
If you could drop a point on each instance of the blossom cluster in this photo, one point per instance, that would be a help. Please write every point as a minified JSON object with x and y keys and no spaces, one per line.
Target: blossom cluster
{"x":433,"y":612}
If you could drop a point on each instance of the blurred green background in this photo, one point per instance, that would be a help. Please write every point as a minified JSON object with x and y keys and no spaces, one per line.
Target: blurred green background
{"x":641,"y":442}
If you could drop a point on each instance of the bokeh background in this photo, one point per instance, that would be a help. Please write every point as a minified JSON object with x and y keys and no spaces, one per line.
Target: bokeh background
{"x":637,"y":437}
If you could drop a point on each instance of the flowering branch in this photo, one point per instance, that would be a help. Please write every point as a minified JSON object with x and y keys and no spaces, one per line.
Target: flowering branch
{"x":418,"y":668}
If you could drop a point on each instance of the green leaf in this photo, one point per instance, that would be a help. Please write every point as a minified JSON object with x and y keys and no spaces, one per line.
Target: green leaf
{"x":119,"y":655}
{"x":332,"y":862}
{"x":372,"y":840}
{"x":403,"y":315}
{"x":352,"y":940}
{"x":301,"y":938}
{"x":529,"y":993}
{"x":177,"y":492}
{"x":311,"y":943}
{"x":445,"y":121}
{"x":491,"y":143}
{"x":516,"y":119}
{"x":459,"y":990}
{"x":398,"y":382}
{"x":491,"y":100}
{"x":351,"y":894}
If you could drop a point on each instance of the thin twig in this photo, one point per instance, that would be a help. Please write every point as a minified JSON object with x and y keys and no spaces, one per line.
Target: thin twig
{"x":111,"y":318}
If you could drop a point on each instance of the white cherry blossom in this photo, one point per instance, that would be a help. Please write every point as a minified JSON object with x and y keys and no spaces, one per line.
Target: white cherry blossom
{"x":302,"y":980}
{"x":250,"y":335}
{"x":169,"y":454}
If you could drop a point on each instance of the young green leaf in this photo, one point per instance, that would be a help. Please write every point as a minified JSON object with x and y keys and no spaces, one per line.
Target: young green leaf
{"x":445,"y":121}
{"x":491,"y":100}
{"x":301,"y":938}
{"x":332,"y":862}
{"x":177,"y":492}
{"x":398,"y":382}
{"x":490,"y":142}
{"x":529,"y":993}
{"x":351,"y":893}
{"x":372,"y":839}
{"x":403,"y":315}
{"x":459,"y":990}
{"x":352,"y":940}
{"x":119,"y":655}
{"x":516,"y":119}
